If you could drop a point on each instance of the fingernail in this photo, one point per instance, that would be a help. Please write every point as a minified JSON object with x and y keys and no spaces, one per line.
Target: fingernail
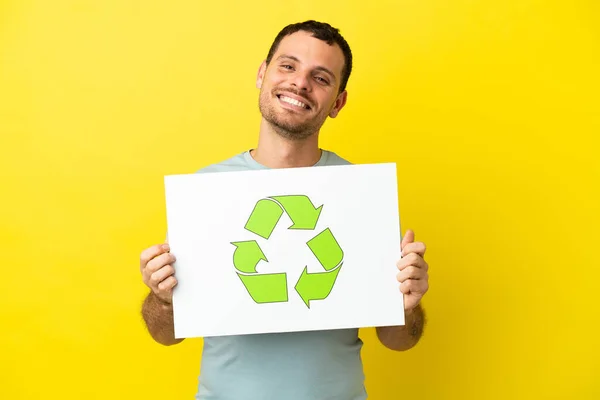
{"x":165,"y":247}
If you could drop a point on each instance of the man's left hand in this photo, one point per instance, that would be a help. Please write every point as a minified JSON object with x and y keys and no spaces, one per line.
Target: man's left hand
{"x":413,"y":275}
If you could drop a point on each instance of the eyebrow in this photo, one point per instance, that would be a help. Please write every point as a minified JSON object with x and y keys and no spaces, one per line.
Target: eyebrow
{"x":318,"y":68}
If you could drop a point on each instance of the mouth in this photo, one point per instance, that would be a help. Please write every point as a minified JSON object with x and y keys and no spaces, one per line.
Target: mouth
{"x":291,"y":102}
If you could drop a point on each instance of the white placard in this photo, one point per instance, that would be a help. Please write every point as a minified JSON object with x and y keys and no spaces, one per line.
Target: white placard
{"x":281,"y":250}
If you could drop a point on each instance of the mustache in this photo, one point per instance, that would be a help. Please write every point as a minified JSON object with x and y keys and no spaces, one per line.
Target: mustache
{"x":293,"y":91}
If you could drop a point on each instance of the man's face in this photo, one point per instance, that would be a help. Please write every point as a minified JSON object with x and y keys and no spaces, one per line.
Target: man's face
{"x":299,"y":88}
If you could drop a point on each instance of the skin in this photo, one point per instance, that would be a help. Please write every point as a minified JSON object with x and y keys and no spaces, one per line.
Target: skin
{"x":308,"y":70}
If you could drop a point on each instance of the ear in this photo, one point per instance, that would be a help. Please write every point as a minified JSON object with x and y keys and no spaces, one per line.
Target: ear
{"x":261,"y":74}
{"x":340,"y":102}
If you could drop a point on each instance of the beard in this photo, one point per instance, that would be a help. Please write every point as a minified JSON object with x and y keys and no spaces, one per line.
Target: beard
{"x":283,"y":126}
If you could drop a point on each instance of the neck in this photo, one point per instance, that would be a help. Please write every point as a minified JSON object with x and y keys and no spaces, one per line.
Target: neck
{"x":275,"y":151}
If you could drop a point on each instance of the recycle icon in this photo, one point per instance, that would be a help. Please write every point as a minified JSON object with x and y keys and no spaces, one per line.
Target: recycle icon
{"x":272,"y":287}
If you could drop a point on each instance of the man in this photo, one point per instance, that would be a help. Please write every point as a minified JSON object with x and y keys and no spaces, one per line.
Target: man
{"x":302,"y":82}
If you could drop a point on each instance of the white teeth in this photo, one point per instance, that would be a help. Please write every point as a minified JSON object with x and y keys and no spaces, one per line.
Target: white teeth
{"x":293,"y":101}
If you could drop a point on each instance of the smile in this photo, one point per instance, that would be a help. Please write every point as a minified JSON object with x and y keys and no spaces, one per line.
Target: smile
{"x":293,"y":102}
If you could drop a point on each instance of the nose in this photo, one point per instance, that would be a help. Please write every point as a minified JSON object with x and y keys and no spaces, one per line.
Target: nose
{"x":301,"y":81}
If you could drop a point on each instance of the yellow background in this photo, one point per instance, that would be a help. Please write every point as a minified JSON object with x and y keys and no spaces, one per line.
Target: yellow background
{"x":490,"y":108}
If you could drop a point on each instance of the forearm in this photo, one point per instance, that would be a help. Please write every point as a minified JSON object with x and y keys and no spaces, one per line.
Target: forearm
{"x":405,"y":336}
{"x":158,"y":316}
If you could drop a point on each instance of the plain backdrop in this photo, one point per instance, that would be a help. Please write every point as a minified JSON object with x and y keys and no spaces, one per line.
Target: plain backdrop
{"x":490,"y":108}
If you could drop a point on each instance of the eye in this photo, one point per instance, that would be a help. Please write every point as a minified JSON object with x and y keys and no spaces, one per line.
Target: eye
{"x":287,"y":66}
{"x":322,"y":80}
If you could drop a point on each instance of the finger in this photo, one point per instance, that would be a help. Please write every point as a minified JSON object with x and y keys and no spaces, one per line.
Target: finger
{"x":167,"y":285}
{"x":409,"y":237}
{"x":157,"y":277}
{"x":412,"y":273}
{"x":160,"y":261}
{"x":414,"y":286}
{"x":414,"y":247}
{"x":151,"y":252}
{"x":413,"y":259}
{"x":406,"y":286}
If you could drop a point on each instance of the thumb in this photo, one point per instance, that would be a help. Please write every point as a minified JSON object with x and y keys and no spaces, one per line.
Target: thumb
{"x":409,"y":237}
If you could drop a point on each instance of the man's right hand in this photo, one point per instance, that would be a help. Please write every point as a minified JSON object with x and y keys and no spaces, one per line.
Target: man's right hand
{"x":158,"y":272}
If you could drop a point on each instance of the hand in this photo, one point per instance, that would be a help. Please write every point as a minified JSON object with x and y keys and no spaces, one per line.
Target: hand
{"x":413,"y":275}
{"x":157,"y":271}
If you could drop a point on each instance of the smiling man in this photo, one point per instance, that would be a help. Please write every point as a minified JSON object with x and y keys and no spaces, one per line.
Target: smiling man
{"x":302,"y":82}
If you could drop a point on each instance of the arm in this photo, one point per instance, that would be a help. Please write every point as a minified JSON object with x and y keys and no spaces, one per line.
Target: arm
{"x":406,"y":336}
{"x":158,"y":316}
{"x":414,"y":283}
{"x":157,"y":310}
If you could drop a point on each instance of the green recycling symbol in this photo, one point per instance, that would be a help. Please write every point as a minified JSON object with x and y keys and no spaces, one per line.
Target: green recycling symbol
{"x":272,"y":287}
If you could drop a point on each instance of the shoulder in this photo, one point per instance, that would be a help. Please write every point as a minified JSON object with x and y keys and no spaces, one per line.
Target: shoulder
{"x":236,"y":163}
{"x":332,"y":158}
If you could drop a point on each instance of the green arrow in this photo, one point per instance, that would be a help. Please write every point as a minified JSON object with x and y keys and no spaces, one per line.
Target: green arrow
{"x":267,"y":288}
{"x":247,"y":255}
{"x":264,"y":218}
{"x":316,"y":286}
{"x":301,"y":211}
{"x":326,"y":249}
